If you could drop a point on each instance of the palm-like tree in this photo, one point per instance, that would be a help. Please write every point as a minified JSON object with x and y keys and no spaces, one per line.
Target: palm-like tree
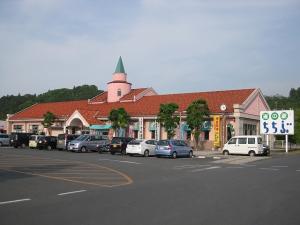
{"x":119,"y":120}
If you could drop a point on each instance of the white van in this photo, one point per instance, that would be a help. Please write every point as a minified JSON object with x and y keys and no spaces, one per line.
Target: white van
{"x":246,"y":145}
{"x":33,"y":140}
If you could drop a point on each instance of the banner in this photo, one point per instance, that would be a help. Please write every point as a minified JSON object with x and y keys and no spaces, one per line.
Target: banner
{"x":216,"y":123}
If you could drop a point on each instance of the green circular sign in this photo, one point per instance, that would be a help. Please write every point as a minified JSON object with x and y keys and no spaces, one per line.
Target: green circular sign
{"x":274,"y":116}
{"x":265,"y":116}
{"x":284,"y":115}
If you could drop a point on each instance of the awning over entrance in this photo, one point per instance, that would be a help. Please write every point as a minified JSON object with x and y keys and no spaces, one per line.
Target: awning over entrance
{"x":100,"y":127}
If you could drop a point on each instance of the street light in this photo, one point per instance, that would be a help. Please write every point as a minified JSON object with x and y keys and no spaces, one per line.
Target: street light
{"x":223,"y":108}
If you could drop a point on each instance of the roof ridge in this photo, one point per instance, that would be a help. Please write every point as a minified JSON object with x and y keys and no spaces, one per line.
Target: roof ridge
{"x":82,"y":100}
{"x":24,"y":109}
{"x":97,"y":95}
{"x":203,"y":92}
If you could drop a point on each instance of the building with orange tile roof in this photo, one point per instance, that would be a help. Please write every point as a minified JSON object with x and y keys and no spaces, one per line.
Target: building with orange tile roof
{"x":240,"y":116}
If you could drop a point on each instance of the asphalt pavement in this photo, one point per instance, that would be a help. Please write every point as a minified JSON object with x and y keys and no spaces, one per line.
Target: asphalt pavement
{"x":57,"y":187}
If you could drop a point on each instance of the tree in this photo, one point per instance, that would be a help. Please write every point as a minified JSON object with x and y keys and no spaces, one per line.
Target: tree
{"x":119,"y":119}
{"x":168,"y":119}
{"x":48,"y":121}
{"x":197,"y":112}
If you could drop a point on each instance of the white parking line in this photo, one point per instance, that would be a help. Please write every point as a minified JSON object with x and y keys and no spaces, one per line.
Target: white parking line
{"x":15,"y":201}
{"x":208,"y":168}
{"x":269,"y":169}
{"x":121,"y":161}
{"x":280,"y":166}
{"x":217,"y":157}
{"x":298,"y":170}
{"x":235,"y":167}
{"x":188,"y":166}
{"x":72,"y":192}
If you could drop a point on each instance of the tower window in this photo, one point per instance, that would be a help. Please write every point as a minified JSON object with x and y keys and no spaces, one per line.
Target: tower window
{"x":119,"y":92}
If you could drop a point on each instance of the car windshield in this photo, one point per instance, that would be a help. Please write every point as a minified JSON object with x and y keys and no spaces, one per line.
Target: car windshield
{"x":163,"y":143}
{"x":115,"y":141}
{"x":259,"y":140}
{"x":61,"y":137}
{"x":135,"y":142}
{"x":81,"y":138}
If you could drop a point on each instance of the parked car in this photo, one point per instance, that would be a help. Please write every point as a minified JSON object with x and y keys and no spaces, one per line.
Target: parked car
{"x":244,"y":145}
{"x":104,"y":146}
{"x":173,"y":148}
{"x":33,"y":140}
{"x":20,"y":139}
{"x":119,"y":144}
{"x":87,"y":142}
{"x":266,"y":150}
{"x":4,"y":139}
{"x":64,"y":139}
{"x":141,"y":147}
{"x":47,"y":142}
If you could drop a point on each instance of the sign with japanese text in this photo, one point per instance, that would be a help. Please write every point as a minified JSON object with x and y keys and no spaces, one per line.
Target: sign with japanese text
{"x":216,"y":125}
{"x":277,"y":122}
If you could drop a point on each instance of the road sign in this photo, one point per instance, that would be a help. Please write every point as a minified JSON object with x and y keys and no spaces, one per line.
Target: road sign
{"x":277,"y":122}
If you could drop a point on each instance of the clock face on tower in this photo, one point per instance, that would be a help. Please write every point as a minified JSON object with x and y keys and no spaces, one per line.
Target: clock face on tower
{"x":223,"y":107}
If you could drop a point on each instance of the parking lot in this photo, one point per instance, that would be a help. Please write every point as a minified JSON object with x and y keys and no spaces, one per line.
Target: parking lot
{"x":58,"y":187}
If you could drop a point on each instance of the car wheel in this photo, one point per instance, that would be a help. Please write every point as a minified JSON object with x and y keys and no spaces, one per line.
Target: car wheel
{"x":23,"y":145}
{"x":252,"y":153}
{"x":146,"y":153}
{"x":100,"y":151}
{"x":0,"y":144}
{"x":191,"y":154}
{"x":112,"y":153}
{"x":174,"y":155}
{"x":83,"y":149}
{"x":49,"y":147}
{"x":225,"y":152}
{"x":123,"y":152}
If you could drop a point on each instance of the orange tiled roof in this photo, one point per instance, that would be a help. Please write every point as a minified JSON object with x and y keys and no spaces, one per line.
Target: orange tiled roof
{"x":149,"y":105}
{"x":146,"y":106}
{"x":99,"y":98}
{"x":59,"y":109}
{"x":132,"y":93}
{"x":90,"y":116}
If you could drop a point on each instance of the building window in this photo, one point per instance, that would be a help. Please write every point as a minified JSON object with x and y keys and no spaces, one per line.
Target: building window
{"x":249,"y":129}
{"x":206,"y":135}
{"x":35,"y":129}
{"x":153,"y":134}
{"x":119,"y":92}
{"x":135,"y":134}
{"x":18,"y":128}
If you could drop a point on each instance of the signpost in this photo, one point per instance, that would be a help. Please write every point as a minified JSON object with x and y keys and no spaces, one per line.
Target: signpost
{"x":278,"y":123}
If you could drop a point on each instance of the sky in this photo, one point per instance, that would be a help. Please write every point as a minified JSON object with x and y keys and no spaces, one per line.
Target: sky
{"x":172,"y":46}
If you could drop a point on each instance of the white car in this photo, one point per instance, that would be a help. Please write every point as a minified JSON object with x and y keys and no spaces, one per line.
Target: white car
{"x":141,"y":147}
{"x":246,"y":145}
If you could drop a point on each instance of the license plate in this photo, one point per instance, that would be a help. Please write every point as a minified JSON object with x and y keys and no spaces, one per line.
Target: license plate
{"x":114,"y":146}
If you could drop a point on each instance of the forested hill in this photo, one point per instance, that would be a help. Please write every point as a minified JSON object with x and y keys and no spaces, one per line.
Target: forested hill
{"x":281,"y":102}
{"x":11,"y":104}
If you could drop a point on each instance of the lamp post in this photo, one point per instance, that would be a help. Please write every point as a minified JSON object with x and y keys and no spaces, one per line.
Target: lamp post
{"x":223,"y":108}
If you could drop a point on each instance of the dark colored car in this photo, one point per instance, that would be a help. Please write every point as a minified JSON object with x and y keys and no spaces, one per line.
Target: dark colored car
{"x":119,"y":144}
{"x":20,"y":139}
{"x":64,"y":139}
{"x":266,"y":150}
{"x":47,"y":142}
